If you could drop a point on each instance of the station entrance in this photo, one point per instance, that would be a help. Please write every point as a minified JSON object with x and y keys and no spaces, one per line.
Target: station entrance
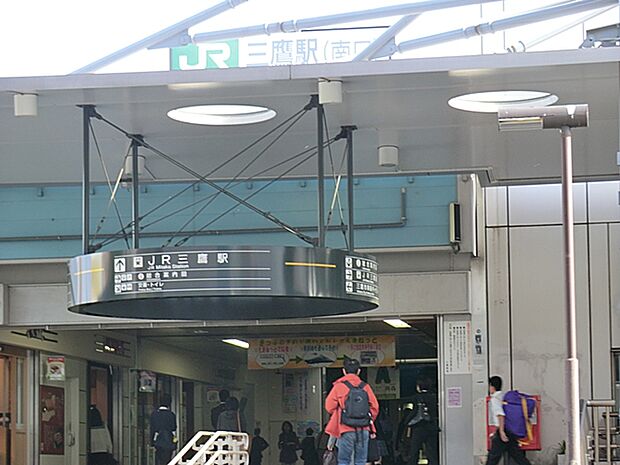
{"x":271,"y":393}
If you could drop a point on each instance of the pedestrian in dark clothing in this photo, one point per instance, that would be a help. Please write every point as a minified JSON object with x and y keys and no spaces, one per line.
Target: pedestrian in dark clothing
{"x":163,"y":431}
{"x":216,"y":411}
{"x":231,"y":419}
{"x":258,"y":446}
{"x":288,"y":444}
{"x":424,"y":424}
{"x":309,"y":453}
{"x":322,"y":441}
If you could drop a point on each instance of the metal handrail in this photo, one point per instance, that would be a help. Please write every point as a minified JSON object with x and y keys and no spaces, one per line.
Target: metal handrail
{"x":586,"y":426}
{"x":240,"y":440}
{"x":593,"y":424}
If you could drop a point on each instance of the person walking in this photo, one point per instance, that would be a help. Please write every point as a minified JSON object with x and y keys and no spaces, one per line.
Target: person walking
{"x":259,"y":444}
{"x":352,"y":406}
{"x":424,"y":424}
{"x":288,"y":442}
{"x":231,"y":419}
{"x":309,"y":452}
{"x":217,"y":410}
{"x":503,"y":440}
{"x":163,"y":431}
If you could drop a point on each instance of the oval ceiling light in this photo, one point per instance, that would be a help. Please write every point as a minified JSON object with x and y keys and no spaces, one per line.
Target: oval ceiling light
{"x":222,"y":115}
{"x":491,"y":102}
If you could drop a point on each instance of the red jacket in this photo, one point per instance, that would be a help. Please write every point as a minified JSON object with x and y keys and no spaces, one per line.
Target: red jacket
{"x":334,"y":404}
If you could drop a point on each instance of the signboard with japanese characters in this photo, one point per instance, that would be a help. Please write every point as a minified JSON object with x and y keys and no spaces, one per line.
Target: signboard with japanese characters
{"x":309,"y":352}
{"x":457,"y":339}
{"x":285,"y":49}
{"x":223,"y":282}
{"x":385,"y":382}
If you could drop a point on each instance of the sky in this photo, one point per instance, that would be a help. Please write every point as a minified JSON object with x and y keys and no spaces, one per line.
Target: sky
{"x":40,"y":37}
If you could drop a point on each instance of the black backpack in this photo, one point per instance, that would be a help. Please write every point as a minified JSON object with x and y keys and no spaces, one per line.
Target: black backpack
{"x":356,"y":412}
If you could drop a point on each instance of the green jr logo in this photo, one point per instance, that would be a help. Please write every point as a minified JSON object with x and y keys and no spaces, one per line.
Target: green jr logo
{"x":205,"y":56}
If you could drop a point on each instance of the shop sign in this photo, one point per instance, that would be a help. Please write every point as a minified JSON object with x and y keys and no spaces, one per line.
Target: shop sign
{"x":457,"y":337}
{"x":148,"y":381}
{"x":317,"y":352}
{"x":385,"y":382}
{"x":55,"y":369}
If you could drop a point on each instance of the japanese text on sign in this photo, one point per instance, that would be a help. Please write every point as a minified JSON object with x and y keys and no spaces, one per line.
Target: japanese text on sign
{"x":320,"y":352}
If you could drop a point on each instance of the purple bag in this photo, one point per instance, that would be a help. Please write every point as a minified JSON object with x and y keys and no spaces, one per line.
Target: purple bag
{"x":518,"y":408}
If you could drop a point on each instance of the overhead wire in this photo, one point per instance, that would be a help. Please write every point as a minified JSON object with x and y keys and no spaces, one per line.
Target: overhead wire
{"x":113,"y":191}
{"x":214,"y":170}
{"x":211,"y":183}
{"x":231,"y":181}
{"x":337,"y":179}
{"x":117,"y":236}
{"x":221,"y":215}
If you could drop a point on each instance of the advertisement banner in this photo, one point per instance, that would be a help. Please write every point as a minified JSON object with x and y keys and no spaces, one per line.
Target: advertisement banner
{"x":55,"y":369}
{"x":52,"y":420}
{"x":317,"y":352}
{"x":385,"y":382}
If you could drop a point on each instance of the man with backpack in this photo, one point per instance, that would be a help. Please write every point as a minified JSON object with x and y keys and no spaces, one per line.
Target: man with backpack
{"x":506,"y":438}
{"x":353,"y":407}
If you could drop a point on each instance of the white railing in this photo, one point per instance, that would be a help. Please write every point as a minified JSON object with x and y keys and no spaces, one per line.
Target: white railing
{"x":599,"y":439}
{"x":214,"y":448}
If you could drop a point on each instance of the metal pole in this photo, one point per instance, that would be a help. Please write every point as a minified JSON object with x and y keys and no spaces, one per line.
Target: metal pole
{"x":135,"y":194}
{"x":384,"y":39}
{"x":572,"y":363}
{"x":161,"y":36}
{"x":351,"y":203}
{"x":86,"y":114}
{"x":530,"y":17}
{"x":597,"y":445}
{"x":296,"y":25}
{"x":607,"y":435}
{"x":321,"y":171}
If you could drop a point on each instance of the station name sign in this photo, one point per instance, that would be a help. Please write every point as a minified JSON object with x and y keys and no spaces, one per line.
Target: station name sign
{"x":237,"y":282}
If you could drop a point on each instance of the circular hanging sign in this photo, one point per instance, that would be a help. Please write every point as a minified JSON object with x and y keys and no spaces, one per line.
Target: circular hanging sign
{"x":223,"y":283}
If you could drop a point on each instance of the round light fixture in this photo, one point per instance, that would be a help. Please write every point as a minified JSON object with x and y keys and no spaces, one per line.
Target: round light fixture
{"x":491,"y":102}
{"x":222,"y":115}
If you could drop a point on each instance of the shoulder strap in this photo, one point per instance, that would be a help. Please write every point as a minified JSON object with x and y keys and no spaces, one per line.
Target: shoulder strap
{"x":361,"y":385}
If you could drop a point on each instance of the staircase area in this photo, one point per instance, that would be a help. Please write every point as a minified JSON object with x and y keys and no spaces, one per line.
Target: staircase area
{"x":214,"y":448}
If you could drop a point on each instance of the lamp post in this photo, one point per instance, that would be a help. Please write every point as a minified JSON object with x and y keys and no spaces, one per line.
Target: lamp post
{"x":564,"y":118}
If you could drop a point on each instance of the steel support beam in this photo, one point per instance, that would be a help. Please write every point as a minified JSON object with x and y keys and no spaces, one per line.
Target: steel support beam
{"x":542,"y":14}
{"x":384,"y":39}
{"x":322,"y":21}
{"x":161,"y":36}
{"x":135,"y":191}
{"x":350,"y":201}
{"x":524,"y":46}
{"x":87,"y":113}
{"x":320,"y":112}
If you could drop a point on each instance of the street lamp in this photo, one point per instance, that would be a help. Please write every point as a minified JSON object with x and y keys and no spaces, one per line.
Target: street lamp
{"x":562,"y":117}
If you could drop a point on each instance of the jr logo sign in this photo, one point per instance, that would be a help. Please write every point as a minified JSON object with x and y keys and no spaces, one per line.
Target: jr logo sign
{"x":205,"y":56}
